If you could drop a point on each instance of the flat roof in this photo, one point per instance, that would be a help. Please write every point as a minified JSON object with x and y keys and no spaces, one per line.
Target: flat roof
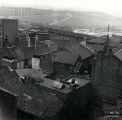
{"x":48,"y":83}
{"x":82,"y":81}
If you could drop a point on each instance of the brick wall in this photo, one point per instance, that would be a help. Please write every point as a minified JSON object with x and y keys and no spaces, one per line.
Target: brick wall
{"x":106,"y":77}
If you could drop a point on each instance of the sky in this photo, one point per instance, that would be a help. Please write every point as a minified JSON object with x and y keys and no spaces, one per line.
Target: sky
{"x":113,"y":7}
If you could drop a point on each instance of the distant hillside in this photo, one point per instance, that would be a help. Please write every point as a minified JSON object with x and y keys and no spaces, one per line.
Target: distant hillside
{"x":48,"y":16}
{"x":31,"y":15}
{"x":92,"y":19}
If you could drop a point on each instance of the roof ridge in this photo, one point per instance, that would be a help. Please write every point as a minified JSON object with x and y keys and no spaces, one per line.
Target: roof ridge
{"x":87,"y":47}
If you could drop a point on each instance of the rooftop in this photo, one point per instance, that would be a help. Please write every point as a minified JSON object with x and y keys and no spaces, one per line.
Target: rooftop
{"x":30,"y":99}
{"x":118,"y":54}
{"x":66,"y":57}
{"x":97,"y":41}
{"x":48,"y":83}
{"x":96,"y":47}
{"x":71,"y":53}
{"x":70,"y":33}
{"x":30,"y":72}
{"x":4,"y":51}
{"x":21,"y":51}
{"x":79,"y":49}
{"x":39,"y":107}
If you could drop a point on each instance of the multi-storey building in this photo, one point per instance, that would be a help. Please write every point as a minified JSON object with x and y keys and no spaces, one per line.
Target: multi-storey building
{"x":8,"y":30}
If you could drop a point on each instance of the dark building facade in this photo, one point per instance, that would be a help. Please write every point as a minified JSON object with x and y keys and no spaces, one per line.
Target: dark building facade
{"x":8,"y":30}
{"x":106,"y":78}
{"x":65,"y":64}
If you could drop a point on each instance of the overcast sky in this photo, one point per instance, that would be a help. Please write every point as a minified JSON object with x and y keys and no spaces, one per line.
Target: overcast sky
{"x":113,"y":7}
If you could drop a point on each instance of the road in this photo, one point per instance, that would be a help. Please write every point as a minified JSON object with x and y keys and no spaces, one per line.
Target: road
{"x":56,"y":21}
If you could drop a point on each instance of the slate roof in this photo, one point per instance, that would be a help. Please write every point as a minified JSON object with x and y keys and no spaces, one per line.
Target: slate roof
{"x":73,"y":52}
{"x":99,"y":43}
{"x":61,"y":43}
{"x":42,"y":48}
{"x":40,"y":108}
{"x":22,"y":51}
{"x":66,"y":57}
{"x":96,"y":47}
{"x":32,"y":100}
{"x":118,"y":55}
{"x":52,"y":45}
{"x":79,"y":49}
{"x":38,"y":74}
{"x":115,"y":40}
